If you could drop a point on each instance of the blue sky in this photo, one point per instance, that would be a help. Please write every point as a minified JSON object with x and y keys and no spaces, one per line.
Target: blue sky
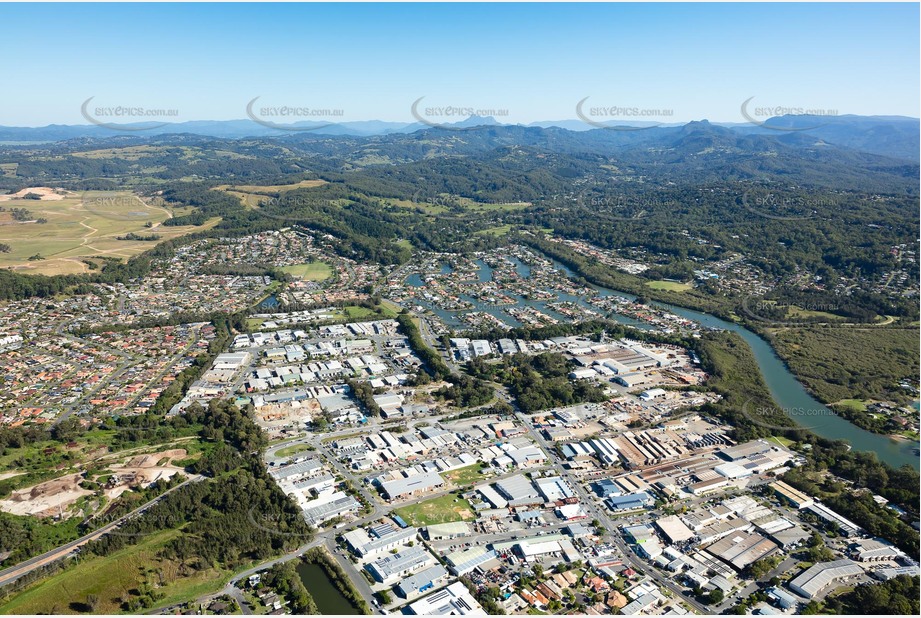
{"x":534,"y":60}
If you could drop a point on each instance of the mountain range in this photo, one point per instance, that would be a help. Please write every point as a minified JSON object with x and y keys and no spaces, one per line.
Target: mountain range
{"x":890,"y":136}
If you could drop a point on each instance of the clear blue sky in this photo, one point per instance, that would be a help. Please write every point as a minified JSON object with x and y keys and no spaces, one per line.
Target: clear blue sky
{"x":534,"y":60}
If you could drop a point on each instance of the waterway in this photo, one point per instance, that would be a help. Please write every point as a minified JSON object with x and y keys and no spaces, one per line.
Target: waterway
{"x":786,"y":390}
{"x":327,"y":597}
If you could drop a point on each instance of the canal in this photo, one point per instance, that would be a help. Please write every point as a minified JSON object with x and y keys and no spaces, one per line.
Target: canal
{"x":327,"y":597}
{"x":786,"y":390}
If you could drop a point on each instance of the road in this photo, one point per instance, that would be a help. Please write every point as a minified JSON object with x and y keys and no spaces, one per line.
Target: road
{"x":11,"y":574}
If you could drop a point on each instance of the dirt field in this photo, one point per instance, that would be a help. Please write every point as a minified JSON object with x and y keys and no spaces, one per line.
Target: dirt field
{"x":55,"y":497}
{"x":46,"y":499}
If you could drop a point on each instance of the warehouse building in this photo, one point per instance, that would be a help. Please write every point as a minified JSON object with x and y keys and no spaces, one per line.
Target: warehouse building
{"x":518,"y":490}
{"x":820,"y":576}
{"x":554,"y":488}
{"x":451,"y":530}
{"x":369,"y":545}
{"x":390,"y":568}
{"x":791,"y":495}
{"x":674,"y":530}
{"x":464,"y":561}
{"x":454,"y":600}
{"x":629,"y":502}
{"x":414,"y":485}
{"x":742,"y":549}
{"x":423,"y":581}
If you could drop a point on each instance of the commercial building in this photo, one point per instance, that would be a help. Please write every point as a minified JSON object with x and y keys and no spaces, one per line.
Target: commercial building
{"x":518,"y":490}
{"x":392,"y":567}
{"x":451,"y":530}
{"x":821,"y":575}
{"x":412,"y":485}
{"x":630,"y":502}
{"x":369,"y":545}
{"x":454,"y":600}
{"x":791,"y":495}
{"x":422,"y":581}
{"x":554,"y":488}
{"x":673,"y":529}
{"x":742,"y":549}
{"x":462,"y":562}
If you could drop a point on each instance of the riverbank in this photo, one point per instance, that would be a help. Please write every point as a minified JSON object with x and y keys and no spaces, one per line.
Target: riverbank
{"x":787,"y":393}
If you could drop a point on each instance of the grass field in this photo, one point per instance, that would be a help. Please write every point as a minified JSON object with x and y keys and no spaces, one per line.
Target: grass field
{"x":314,"y":271}
{"x":114,"y":579}
{"x":781,"y":441}
{"x":81,"y":226}
{"x":439,"y":510}
{"x":856,"y":404}
{"x":465,"y":476}
{"x":293,"y":450}
{"x":671,"y":286}
{"x":253,"y":195}
{"x":500,"y":230}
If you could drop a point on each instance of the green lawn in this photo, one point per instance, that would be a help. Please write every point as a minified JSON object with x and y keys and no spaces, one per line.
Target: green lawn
{"x":111,"y":578}
{"x":500,"y":230}
{"x":439,"y":510}
{"x":784,"y":442}
{"x":857,"y":404}
{"x":292,"y":450}
{"x":671,"y":286}
{"x":314,"y":271}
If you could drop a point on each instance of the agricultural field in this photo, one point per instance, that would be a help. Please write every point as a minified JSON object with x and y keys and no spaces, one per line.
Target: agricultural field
{"x":439,"y":510}
{"x":110,"y":584}
{"x":251,"y":196}
{"x":314,"y":271}
{"x":64,"y":228}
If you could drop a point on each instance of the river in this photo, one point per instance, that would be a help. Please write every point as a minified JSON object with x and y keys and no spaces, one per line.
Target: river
{"x":327,"y":597}
{"x":786,"y":390}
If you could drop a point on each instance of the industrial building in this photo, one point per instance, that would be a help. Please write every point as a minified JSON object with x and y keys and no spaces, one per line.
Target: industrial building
{"x":422,"y":581}
{"x":819,"y":576}
{"x":742,"y":549}
{"x":369,"y":545}
{"x":451,"y":530}
{"x":791,"y":495}
{"x":464,"y":561}
{"x":629,"y":502}
{"x":518,"y":490}
{"x":412,"y":485}
{"x":392,"y":567}
{"x":554,"y":488}
{"x":454,"y":600}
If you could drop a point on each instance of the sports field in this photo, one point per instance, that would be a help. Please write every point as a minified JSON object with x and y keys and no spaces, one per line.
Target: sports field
{"x":671,"y":286}
{"x":314,"y":271}
{"x":78,"y":225}
{"x":439,"y":510}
